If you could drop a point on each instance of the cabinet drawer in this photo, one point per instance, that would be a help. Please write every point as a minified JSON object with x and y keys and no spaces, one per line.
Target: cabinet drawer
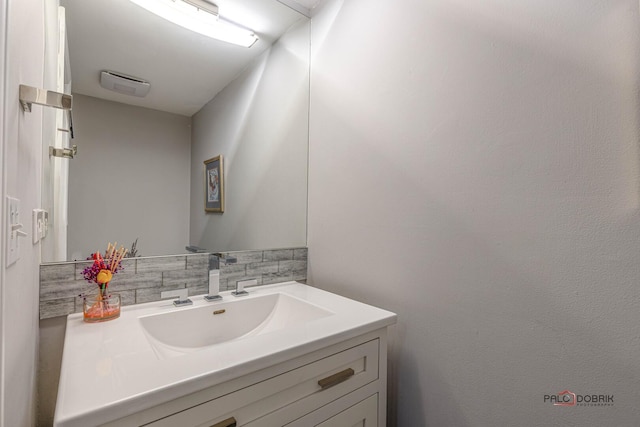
{"x":361,"y":414}
{"x":300,"y":389}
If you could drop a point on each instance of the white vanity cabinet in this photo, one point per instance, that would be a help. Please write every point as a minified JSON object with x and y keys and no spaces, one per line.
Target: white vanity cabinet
{"x":308,"y":358}
{"x":340,"y":385}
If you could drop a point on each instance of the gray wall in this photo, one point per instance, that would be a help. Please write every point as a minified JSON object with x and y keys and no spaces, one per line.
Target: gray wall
{"x":475,"y":168}
{"x":130,"y":179}
{"x":259,"y":124}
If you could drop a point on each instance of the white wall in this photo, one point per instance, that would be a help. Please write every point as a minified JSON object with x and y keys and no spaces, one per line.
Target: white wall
{"x":259,"y":123}
{"x":130,"y":179}
{"x":3,"y":102}
{"x":21,"y":164}
{"x":474,"y":167}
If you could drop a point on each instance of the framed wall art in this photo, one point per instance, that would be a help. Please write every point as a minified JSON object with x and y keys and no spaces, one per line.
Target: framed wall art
{"x":214,"y":185}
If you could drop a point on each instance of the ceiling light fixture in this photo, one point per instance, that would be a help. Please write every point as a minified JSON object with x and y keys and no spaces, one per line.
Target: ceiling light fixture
{"x":200,"y":16}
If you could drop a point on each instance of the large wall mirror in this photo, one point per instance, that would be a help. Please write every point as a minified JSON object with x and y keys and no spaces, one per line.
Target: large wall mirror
{"x":139,"y":171}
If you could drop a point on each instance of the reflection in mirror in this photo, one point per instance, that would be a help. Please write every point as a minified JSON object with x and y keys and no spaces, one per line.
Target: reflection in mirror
{"x":139,"y":172}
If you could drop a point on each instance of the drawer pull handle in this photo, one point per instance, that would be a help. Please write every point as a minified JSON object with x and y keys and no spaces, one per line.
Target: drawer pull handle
{"x":229,"y":422}
{"x":335,"y":379}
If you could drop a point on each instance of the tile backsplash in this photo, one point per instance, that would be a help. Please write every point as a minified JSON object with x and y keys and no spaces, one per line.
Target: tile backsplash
{"x":143,"y":279}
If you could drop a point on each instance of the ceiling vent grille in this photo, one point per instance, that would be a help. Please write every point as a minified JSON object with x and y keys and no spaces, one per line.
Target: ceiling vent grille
{"x":122,"y":83}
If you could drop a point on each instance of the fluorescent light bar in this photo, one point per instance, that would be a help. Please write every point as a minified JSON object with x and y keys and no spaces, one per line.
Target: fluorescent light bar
{"x":193,"y":18}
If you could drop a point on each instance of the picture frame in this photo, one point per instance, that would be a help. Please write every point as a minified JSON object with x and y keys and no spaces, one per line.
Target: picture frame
{"x":214,"y":185}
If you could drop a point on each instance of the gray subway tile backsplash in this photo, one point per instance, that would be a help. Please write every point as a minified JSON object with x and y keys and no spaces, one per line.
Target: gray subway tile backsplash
{"x":186,"y":278}
{"x":278,"y":255}
{"x":281,"y":276}
{"x":143,"y":279}
{"x":257,"y":268}
{"x":128,"y":281}
{"x":245,"y":257}
{"x":163,"y":263}
{"x":300,"y":254}
{"x":57,"y":307}
{"x":57,"y":289}
{"x":197,"y":262}
{"x":198,"y":289}
{"x":58,"y":272}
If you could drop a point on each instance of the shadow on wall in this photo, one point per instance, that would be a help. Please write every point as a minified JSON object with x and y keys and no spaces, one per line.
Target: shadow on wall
{"x":407,"y":394}
{"x":410,"y":393}
{"x":52,"y":333}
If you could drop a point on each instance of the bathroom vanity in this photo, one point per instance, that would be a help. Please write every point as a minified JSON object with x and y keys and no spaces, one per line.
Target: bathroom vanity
{"x":286,"y":354}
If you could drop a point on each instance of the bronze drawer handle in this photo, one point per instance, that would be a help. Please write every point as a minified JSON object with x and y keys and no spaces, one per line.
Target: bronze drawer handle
{"x":335,"y":379}
{"x":229,"y":422}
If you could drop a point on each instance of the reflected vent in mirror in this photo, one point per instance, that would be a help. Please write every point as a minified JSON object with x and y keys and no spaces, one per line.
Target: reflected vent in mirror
{"x":122,"y":83}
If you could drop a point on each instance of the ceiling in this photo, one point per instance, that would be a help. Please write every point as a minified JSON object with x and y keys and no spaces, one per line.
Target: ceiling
{"x":185,"y":69}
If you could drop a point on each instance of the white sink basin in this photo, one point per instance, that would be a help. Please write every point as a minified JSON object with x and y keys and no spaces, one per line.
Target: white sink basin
{"x":195,"y":328}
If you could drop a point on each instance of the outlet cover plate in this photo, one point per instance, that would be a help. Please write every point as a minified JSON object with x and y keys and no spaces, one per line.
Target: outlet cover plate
{"x":13,"y":243}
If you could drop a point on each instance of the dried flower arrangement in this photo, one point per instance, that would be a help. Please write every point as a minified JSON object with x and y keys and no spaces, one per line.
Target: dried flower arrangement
{"x":103,"y":268}
{"x":104,"y":306}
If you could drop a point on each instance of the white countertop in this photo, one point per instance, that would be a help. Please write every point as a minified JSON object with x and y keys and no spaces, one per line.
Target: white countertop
{"x":110,"y":370}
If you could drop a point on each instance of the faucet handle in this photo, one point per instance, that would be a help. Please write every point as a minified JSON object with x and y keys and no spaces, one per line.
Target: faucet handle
{"x":240,"y":284}
{"x":181,"y":294}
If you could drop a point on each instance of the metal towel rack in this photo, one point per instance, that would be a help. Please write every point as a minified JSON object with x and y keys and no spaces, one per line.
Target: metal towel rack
{"x":65,"y":153}
{"x":32,"y":95}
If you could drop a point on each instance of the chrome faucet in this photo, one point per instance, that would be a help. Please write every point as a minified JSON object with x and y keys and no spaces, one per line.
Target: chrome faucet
{"x":214,"y":279}
{"x":240,"y":284}
{"x":181,"y":294}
